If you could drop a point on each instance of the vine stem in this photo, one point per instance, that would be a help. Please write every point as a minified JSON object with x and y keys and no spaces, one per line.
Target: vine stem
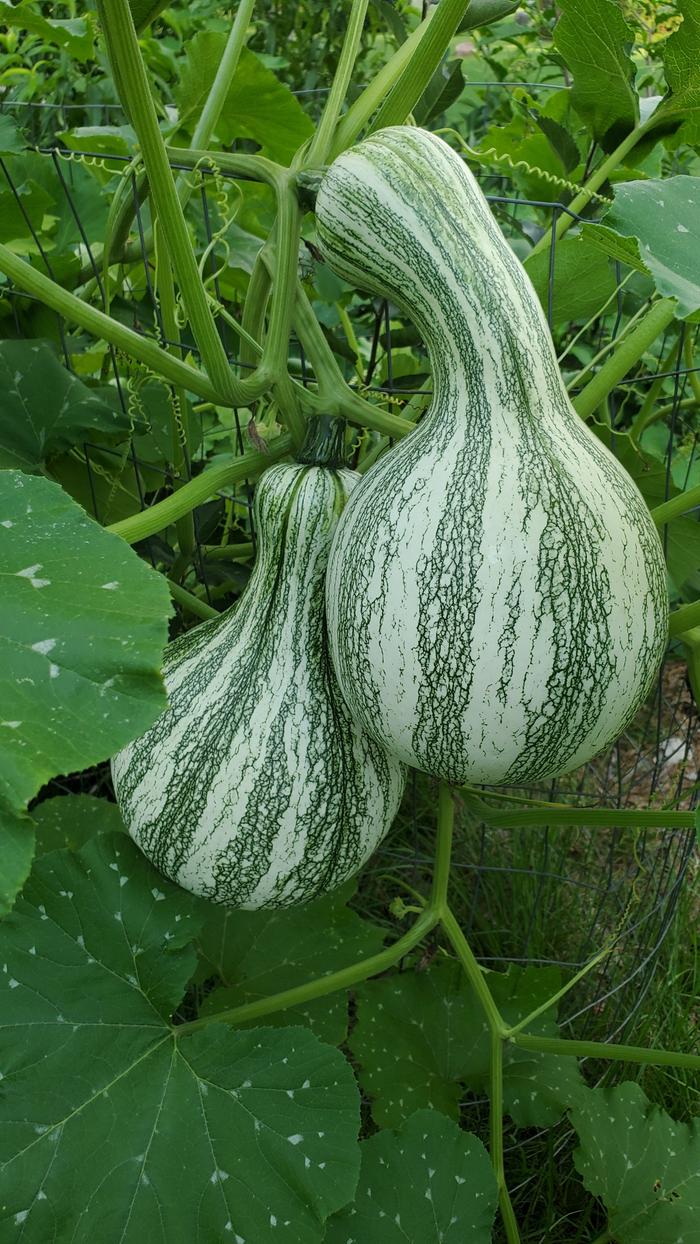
{"x":684,"y":619}
{"x":595,"y":181}
{"x":685,"y":501}
{"x":510,"y":1224}
{"x":625,"y":356}
{"x":156,"y":517}
{"x":321,"y":141}
{"x":601,"y":1049}
{"x":135,"y":93}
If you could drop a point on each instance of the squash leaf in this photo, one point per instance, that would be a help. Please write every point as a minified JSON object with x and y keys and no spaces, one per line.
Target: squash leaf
{"x":45,"y":408}
{"x":662,"y":215}
{"x":595,"y":41}
{"x":583,"y":279}
{"x":643,"y":1166}
{"x":212,"y":1134}
{"x":256,"y":953}
{"x":258,"y":105}
{"x":429,"y":1183}
{"x":420,"y":1037}
{"x":680,"y":107}
{"x":83,"y":622}
{"x":16,"y":853}
{"x":71,"y":820}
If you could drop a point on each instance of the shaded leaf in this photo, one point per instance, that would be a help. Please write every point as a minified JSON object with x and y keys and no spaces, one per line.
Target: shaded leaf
{"x":643,"y":1166}
{"x":16,"y":853}
{"x":429,"y":1183}
{"x":11,"y":140}
{"x":256,"y":953}
{"x":258,"y":105}
{"x":71,"y":820}
{"x":583,"y":279}
{"x":444,"y":88}
{"x":215,"y":1135}
{"x":663,"y":216}
{"x":83,"y":623}
{"x":681,"y":105}
{"x":595,"y":41}
{"x":45,"y":408}
{"x":420,"y":1036}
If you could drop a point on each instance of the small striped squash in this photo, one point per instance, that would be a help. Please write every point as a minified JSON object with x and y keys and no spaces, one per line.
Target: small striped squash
{"x":255,"y":788}
{"x":496,"y":592}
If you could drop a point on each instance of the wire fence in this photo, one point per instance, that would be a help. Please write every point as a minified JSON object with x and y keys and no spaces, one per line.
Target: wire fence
{"x":574,"y":890}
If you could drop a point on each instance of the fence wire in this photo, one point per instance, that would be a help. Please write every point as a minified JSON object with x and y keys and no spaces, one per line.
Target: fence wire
{"x":574,"y":890}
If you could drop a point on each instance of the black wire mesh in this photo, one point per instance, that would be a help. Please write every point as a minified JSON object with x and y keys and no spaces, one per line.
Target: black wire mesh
{"x":574,"y":890}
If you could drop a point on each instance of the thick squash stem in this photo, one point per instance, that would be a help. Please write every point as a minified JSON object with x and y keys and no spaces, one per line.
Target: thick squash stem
{"x":625,"y":357}
{"x":154,"y":519}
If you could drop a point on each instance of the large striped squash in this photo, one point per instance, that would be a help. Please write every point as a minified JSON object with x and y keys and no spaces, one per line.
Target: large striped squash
{"x":496,"y":592}
{"x":255,"y":788}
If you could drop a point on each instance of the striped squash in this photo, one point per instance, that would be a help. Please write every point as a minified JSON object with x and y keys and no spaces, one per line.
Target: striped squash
{"x":255,"y":788}
{"x":496,"y":591}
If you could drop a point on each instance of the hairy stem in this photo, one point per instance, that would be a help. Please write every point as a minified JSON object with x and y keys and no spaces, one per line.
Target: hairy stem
{"x":684,"y":619}
{"x":132,"y":84}
{"x":510,"y":1224}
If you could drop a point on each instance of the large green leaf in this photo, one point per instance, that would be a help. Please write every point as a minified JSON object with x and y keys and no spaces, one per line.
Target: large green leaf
{"x":430,"y":1183}
{"x":71,"y":820}
{"x":643,"y":1166}
{"x":682,"y":535}
{"x":45,"y":408}
{"x":583,"y":279}
{"x":681,"y":105}
{"x":595,"y":41}
{"x":258,"y":105}
{"x":663,"y":216}
{"x":421,"y":1036}
{"x":256,"y":953}
{"x":113,"y":1127}
{"x":83,"y":622}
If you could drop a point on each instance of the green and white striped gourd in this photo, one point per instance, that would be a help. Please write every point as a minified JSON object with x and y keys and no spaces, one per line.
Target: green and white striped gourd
{"x":496,"y":592}
{"x":255,"y":788}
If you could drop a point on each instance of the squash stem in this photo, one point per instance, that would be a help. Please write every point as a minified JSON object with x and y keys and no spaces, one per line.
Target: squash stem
{"x":595,"y":181}
{"x":684,"y":619}
{"x":321,"y":141}
{"x":601,"y":1049}
{"x":135,"y":94}
{"x":345,"y":978}
{"x":473,"y":972}
{"x":443,"y":849}
{"x":510,"y":1224}
{"x":154,"y":519}
{"x":627,"y":354}
{"x":191,"y":603}
{"x":681,"y":504}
